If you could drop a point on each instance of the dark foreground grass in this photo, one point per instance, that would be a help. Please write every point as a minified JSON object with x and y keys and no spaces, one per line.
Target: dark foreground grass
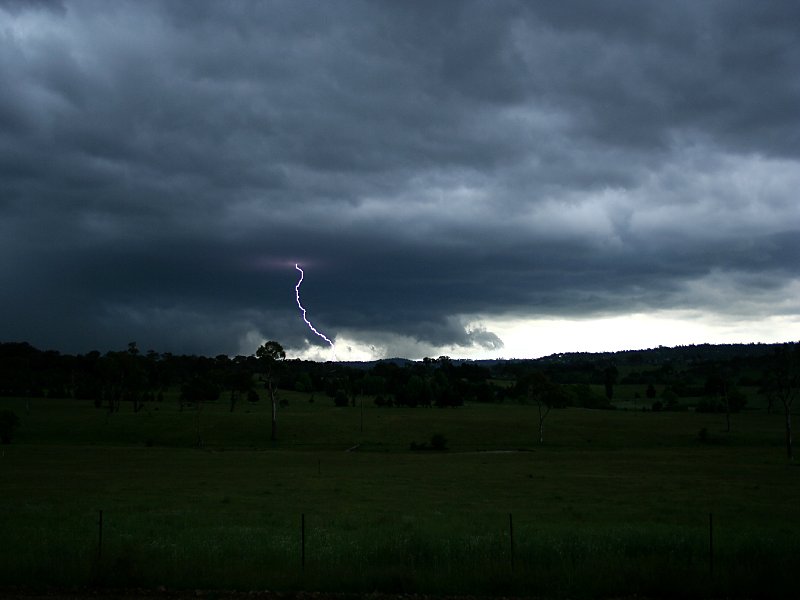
{"x":616,"y":503}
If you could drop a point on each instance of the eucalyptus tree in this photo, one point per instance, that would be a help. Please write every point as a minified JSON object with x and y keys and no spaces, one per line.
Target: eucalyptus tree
{"x":544,"y":393}
{"x":783,"y":383}
{"x":270,"y":354}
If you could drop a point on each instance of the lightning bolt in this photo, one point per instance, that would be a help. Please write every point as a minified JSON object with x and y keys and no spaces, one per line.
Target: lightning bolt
{"x":303,"y":310}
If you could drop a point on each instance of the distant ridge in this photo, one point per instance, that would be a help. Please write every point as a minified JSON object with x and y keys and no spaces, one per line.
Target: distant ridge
{"x":661,"y":354}
{"x":368,"y":364}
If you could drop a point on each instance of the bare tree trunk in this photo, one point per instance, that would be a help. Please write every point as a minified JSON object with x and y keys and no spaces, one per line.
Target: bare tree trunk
{"x":274,"y":399}
{"x":542,"y":417}
{"x":784,"y":385}
{"x":269,"y":353}
{"x":274,"y":435}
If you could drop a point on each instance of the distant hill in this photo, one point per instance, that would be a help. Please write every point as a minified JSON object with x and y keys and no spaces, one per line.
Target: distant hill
{"x":368,"y":364}
{"x":648,"y":356}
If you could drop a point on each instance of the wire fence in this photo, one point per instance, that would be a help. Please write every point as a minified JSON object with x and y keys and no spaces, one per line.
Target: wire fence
{"x":508,"y":555}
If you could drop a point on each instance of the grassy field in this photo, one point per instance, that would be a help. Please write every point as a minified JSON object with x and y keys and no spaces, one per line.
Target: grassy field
{"x":614,"y":502}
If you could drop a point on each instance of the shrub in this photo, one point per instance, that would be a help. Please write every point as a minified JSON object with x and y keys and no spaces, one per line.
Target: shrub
{"x":670,"y":401}
{"x":438,"y":442}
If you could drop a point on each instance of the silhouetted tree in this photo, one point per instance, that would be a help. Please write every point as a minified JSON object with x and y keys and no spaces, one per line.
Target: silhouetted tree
{"x":545,"y":394}
{"x":239,"y":381}
{"x":124,"y":378}
{"x":719,"y":389}
{"x":610,"y":376}
{"x":782,"y":382}
{"x":417,"y":392}
{"x":374,"y":385}
{"x":269,"y":354}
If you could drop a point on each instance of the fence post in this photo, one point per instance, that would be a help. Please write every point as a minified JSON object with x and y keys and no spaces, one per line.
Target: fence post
{"x":303,"y":542}
{"x":511,"y":535}
{"x":711,"y":543}
{"x":100,"y":534}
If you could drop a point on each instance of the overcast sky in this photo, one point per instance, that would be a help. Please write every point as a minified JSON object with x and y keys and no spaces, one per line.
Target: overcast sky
{"x":476,"y":179}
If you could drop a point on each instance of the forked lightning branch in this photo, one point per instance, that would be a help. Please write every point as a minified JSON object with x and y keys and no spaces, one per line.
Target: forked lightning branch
{"x":303,"y":311}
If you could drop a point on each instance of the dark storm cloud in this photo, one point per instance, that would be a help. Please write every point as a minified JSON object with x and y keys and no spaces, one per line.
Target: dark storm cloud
{"x":163,"y":165}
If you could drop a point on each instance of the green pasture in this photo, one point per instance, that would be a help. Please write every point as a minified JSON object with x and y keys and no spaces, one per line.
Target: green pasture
{"x":614,"y":502}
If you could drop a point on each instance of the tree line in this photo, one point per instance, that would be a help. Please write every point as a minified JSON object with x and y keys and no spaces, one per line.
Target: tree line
{"x":713,"y":375}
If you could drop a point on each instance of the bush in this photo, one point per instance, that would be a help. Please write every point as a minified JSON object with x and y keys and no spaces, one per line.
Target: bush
{"x":438,"y":442}
{"x":9,"y":421}
{"x":670,"y":402}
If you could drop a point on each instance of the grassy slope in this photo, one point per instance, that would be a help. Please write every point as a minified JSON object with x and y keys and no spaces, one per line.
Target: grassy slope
{"x":613,"y":502}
